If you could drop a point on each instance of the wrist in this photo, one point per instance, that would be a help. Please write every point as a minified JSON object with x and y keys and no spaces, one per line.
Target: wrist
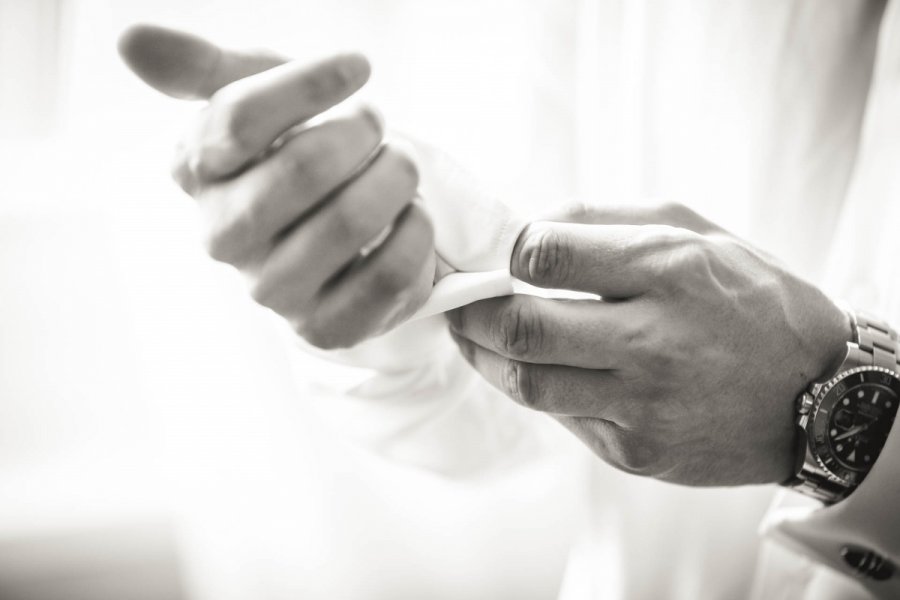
{"x":845,"y":416}
{"x":836,"y":330}
{"x":823,"y":328}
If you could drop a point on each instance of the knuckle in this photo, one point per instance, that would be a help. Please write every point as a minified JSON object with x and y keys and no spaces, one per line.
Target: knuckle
{"x":392,"y":278}
{"x":653,"y":347}
{"x":639,"y":342}
{"x":702,"y":251}
{"x":324,"y":340}
{"x":403,"y":168}
{"x":516,"y":331}
{"x":671,"y":252}
{"x":419,"y":245}
{"x":230,"y":231}
{"x":214,"y":248}
{"x":326,"y":329}
{"x":658,"y":238}
{"x":333,"y":79}
{"x":181,"y":172}
{"x":262,"y":293}
{"x":678,"y":214}
{"x":420,"y":220}
{"x":252,"y":220}
{"x":673,"y":212}
{"x":578,"y":212}
{"x":662,"y":365}
{"x":633,"y":454}
{"x":232,"y":119}
{"x":348,"y":221}
{"x":521,"y":384}
{"x":217,"y":245}
{"x":295,"y":161}
{"x":547,"y":257}
{"x":372,"y":122}
{"x":692,"y":261}
{"x":320,"y":336}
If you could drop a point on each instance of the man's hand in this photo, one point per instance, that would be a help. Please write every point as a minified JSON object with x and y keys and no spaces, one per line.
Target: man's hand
{"x":686,"y":370}
{"x":296,"y":207}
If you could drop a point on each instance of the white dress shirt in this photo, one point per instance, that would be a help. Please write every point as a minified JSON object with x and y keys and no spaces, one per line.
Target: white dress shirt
{"x":415,"y":479}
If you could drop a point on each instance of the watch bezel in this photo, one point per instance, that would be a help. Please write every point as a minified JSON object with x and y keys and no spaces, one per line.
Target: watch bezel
{"x":816,"y":431}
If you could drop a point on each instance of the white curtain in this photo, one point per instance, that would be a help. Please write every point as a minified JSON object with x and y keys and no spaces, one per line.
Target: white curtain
{"x":127,"y":358}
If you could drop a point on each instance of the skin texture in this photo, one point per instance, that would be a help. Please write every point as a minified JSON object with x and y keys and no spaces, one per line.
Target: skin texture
{"x":295,"y":207}
{"x":688,"y":368}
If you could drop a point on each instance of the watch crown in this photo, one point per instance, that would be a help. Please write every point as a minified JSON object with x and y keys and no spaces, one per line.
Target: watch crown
{"x":805,"y":403}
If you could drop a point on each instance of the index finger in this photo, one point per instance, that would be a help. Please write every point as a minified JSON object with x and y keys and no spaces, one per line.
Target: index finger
{"x":613,"y":261}
{"x":255,"y":96}
{"x":244,"y":118}
{"x":185,"y":66}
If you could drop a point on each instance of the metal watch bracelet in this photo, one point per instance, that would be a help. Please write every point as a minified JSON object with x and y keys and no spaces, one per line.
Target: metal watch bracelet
{"x":874,"y":343}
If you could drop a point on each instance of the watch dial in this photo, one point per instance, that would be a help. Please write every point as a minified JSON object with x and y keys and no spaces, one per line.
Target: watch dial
{"x":854,"y":420}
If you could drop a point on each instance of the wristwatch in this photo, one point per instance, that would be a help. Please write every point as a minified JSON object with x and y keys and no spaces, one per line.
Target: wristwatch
{"x":843,"y":422}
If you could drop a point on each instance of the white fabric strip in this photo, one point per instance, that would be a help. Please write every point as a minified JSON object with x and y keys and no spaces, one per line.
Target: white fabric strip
{"x":459,"y":289}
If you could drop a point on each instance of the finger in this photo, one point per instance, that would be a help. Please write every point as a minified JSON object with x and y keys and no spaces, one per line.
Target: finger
{"x":331,"y":238}
{"x":247,"y":116}
{"x":590,"y":334}
{"x":670,"y":213}
{"x":554,"y":389}
{"x":259,"y":101}
{"x":380,"y":290}
{"x":247,"y":214}
{"x":615,"y":261}
{"x":185,"y":66}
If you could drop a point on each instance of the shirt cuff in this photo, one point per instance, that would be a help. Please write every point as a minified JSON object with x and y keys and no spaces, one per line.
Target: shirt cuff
{"x":868,"y":521}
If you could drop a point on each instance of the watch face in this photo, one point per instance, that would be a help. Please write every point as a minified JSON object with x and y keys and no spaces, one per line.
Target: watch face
{"x":853,"y":419}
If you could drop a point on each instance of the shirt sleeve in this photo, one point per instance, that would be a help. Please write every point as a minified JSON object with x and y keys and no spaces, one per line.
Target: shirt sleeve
{"x":437,"y":414}
{"x":408,"y":395}
{"x":867,"y":524}
{"x":860,"y":534}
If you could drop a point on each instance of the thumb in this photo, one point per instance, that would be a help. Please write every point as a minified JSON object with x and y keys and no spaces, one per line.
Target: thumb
{"x":614,"y":261}
{"x":185,"y":66}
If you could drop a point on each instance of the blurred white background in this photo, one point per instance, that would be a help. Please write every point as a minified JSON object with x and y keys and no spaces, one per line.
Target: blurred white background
{"x":131,"y":364}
